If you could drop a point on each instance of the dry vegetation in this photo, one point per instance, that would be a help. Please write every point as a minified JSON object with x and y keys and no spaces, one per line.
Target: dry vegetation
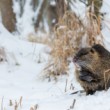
{"x":106,"y":77}
{"x":70,"y":34}
{"x":17,"y":104}
{"x":40,"y":38}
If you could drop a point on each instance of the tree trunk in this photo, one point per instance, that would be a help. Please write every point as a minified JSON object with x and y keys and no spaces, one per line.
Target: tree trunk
{"x":52,"y":16}
{"x":40,"y":14}
{"x":8,"y":17}
{"x":61,"y":8}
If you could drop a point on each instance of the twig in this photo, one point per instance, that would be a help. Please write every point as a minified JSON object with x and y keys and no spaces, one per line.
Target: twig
{"x":72,"y":106}
{"x":36,"y":106}
{"x":71,"y":87}
{"x":20,"y":101}
{"x":10,"y":103}
{"x":16,"y":105}
{"x":80,"y":91}
{"x":106,"y":78}
{"x":48,"y":66}
{"x":66,"y":85}
{"x":2,"y":103}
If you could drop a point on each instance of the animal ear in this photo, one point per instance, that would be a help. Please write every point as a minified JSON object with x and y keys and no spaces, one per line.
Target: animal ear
{"x":101,"y":50}
{"x":92,"y":50}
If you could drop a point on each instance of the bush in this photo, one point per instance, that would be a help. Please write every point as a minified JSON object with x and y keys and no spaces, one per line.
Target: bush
{"x":70,"y":34}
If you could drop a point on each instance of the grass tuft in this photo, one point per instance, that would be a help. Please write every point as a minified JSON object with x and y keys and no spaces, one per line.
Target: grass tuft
{"x":70,"y":34}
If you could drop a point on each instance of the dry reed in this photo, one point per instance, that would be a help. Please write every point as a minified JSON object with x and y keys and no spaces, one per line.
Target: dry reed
{"x":106,"y":78}
{"x":70,"y":34}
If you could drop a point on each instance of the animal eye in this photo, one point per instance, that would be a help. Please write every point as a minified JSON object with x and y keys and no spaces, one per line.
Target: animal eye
{"x":92,"y":50}
{"x":84,"y":54}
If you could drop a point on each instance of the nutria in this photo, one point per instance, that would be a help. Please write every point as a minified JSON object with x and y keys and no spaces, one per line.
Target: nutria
{"x":92,"y":68}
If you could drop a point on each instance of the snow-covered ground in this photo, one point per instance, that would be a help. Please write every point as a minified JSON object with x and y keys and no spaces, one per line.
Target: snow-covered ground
{"x":21,"y":81}
{"x":21,"y":76}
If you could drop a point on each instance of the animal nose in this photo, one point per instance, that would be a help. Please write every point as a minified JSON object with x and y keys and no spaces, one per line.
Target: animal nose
{"x":75,"y":59}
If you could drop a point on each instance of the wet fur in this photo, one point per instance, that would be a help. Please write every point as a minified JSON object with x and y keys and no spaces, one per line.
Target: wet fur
{"x":93,"y":63}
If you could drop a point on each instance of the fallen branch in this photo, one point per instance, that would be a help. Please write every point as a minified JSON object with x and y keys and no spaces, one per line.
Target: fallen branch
{"x":80,"y":91}
{"x":72,"y":106}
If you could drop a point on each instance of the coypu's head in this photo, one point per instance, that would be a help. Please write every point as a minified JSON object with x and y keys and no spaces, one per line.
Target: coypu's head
{"x":85,"y":57}
{"x":88,"y":56}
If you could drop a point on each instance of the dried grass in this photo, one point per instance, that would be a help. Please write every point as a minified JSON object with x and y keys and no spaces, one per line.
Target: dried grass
{"x":35,"y":107}
{"x":70,"y":34}
{"x":39,"y":38}
{"x":106,"y":78}
{"x":16,"y":104}
{"x":93,"y":29}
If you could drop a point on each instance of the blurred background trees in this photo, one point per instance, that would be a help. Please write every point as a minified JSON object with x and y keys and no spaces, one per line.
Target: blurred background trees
{"x":8,"y":17}
{"x":75,"y":27}
{"x":39,"y":14}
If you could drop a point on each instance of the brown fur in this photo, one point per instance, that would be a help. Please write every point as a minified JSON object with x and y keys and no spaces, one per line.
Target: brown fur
{"x":94,"y":63}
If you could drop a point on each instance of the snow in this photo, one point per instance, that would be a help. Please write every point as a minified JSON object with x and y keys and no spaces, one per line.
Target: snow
{"x":52,"y":3}
{"x":25,"y":23}
{"x":78,"y":7}
{"x":21,"y":76}
{"x":25,"y":79}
